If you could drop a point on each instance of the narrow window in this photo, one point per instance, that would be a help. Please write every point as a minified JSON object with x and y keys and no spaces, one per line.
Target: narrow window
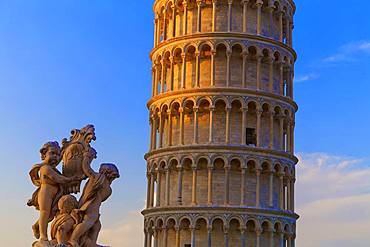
{"x":251,"y":138}
{"x":187,"y":245}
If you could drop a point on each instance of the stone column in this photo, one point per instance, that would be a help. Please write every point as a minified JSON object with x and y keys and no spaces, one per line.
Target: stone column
{"x":271,"y":73}
{"x":181,"y":111}
{"x":148,"y":190}
{"x":229,"y":15}
{"x":160,"y":114}
{"x":270,"y":10}
{"x":153,"y":81}
{"x":291,"y":33}
{"x":272,"y":238}
{"x":245,"y":15}
{"x":145,"y":238}
{"x":194,"y":186}
{"x":195,"y":132}
{"x":281,"y":126}
{"x":154,"y":132}
{"x":185,"y":21}
{"x":165,"y":25}
{"x":289,"y":240}
{"x":227,"y":184}
{"x":173,"y":20}
{"x":155,"y":235}
{"x":272,"y":114}
{"x":167,"y":186}
{"x":179,"y":187}
{"x":259,"y":4}
{"x":199,"y":17}
{"x":242,"y":237}
{"x":172,"y":65}
{"x":228,"y":110}
{"x":244,"y":77}
{"x":183,"y":79}
{"x":281,"y":84}
{"x":289,"y":135}
{"x":258,"y":238}
{"x":177,"y":229}
{"x":287,"y":31}
{"x":193,"y":240}
{"x":226,"y":237}
{"x":281,"y":238}
{"x":213,"y":65}
{"x":210,"y":178}
{"x":151,"y":133}
{"x":281,"y":34}
{"x":157,"y":76}
{"x":169,"y":128}
{"x":211,"y":111}
{"x":281,"y":190}
{"x":271,"y":187}
{"x":158,"y":195}
{"x":152,"y":183}
{"x":197,"y":69}
{"x":242,"y":189}
{"x":258,"y":71}
{"x":165,"y":234}
{"x":155,"y":30}
{"x":258,"y":187}
{"x":292,"y":197}
{"x":243,"y":140}
{"x":292,"y":135}
{"x":209,"y":236}
{"x":259,"y":112}
{"x":289,"y":194}
{"x":228,"y":56}
{"x":214,"y":9}
{"x":149,"y":241}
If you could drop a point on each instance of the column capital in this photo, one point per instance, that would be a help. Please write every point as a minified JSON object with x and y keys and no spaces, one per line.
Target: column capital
{"x":245,"y":1}
{"x":228,"y":53}
{"x":259,"y":3}
{"x":196,"y":108}
{"x":212,"y":108}
{"x":169,"y":112}
{"x":183,"y":55}
{"x":194,"y":168}
{"x":181,"y":109}
{"x":213,"y":52}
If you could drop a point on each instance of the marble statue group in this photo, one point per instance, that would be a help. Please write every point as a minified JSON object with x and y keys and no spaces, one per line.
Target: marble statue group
{"x":74,"y":222}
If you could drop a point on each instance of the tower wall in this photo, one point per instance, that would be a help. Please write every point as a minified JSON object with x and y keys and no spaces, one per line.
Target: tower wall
{"x":221,"y":164}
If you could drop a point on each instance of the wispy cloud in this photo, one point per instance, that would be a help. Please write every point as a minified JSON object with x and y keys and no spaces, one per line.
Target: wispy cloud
{"x":307,"y":77}
{"x":333,"y":198}
{"x":349,"y":52}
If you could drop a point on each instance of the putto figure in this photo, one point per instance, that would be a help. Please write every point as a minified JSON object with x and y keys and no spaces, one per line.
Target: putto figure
{"x":75,"y":223}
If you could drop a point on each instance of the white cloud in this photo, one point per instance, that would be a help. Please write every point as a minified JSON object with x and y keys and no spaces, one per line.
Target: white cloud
{"x":349,"y":52}
{"x":127,"y":233}
{"x":308,"y":77}
{"x":333,"y":199}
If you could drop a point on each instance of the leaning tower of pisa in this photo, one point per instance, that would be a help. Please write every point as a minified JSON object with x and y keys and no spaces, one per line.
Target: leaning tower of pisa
{"x":221,"y":164}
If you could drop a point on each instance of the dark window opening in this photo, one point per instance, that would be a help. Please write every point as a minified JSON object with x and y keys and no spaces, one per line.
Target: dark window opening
{"x":251,"y":137}
{"x":187,"y":245}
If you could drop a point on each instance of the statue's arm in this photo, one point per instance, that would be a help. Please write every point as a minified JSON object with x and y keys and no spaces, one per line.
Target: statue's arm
{"x":54,"y":176}
{"x":86,"y":163}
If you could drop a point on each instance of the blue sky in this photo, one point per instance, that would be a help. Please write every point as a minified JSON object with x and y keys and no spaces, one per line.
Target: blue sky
{"x":67,"y":63}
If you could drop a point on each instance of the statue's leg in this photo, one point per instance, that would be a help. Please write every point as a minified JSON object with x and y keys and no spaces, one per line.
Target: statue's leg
{"x":36,"y":229}
{"x":94,"y":232}
{"x":83,"y":227}
{"x":43,"y":224}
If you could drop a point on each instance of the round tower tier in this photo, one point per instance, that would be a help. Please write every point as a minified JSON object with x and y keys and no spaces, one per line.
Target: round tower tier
{"x":221,"y":164}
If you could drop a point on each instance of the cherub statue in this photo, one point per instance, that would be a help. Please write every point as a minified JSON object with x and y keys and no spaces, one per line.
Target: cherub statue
{"x":67,"y":218}
{"x":49,"y":182}
{"x":97,"y":190}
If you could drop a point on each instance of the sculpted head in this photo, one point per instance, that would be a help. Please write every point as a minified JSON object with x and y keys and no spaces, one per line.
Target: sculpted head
{"x":110,"y":171}
{"x":67,"y":203}
{"x":50,"y":153}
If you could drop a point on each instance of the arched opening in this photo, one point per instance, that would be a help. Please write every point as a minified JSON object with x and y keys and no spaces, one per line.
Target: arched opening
{"x":206,"y":18}
{"x":220,"y":65}
{"x":235,"y":183}
{"x":218,"y":232}
{"x":236,"y":115}
{"x":236,"y":65}
{"x":201,"y":233}
{"x":251,"y":131}
{"x":265,"y":185}
{"x":175,"y":124}
{"x":171,"y":233}
{"x":234,"y":233}
{"x":203,"y":121}
{"x":185,"y":233}
{"x":205,"y":66}
{"x":218,"y":183}
{"x":177,"y":75}
{"x":222,"y":15}
{"x":187,"y":179}
{"x":265,"y":126}
{"x":266,"y":234}
{"x":188,"y":122}
{"x":173,"y":174}
{"x":251,"y":232}
{"x":202,"y":181}
{"x":252,"y":68}
{"x":265,"y":70}
{"x":219,"y":121}
{"x":251,"y":182}
{"x":190,"y":67}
